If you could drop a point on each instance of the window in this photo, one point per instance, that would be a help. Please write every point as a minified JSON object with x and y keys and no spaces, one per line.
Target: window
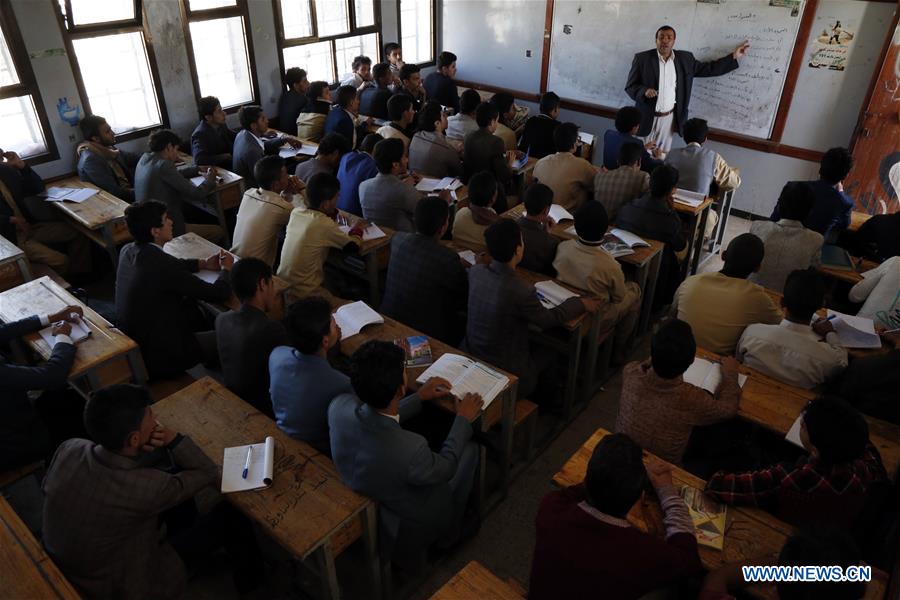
{"x":24,"y":128}
{"x":324,"y":36}
{"x":417,"y":31}
{"x":220,"y":50}
{"x":113,"y":62}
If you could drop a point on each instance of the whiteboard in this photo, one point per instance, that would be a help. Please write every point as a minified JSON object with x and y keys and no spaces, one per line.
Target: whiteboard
{"x":593,"y":43}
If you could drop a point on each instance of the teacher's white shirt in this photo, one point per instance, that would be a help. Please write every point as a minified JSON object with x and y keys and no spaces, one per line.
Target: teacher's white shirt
{"x":665,"y":101}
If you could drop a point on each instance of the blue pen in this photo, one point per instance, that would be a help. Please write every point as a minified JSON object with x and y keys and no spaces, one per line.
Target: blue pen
{"x":247,"y":464}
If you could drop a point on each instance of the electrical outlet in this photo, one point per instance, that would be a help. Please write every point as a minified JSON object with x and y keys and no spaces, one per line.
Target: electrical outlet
{"x":528,"y":54}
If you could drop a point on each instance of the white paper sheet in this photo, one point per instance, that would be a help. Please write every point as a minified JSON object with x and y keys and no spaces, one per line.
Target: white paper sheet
{"x":629,"y":238}
{"x":552,"y":294}
{"x":351,"y":318}
{"x":853,"y":331}
{"x":304,"y":150}
{"x":372,"y":232}
{"x":692,"y":199}
{"x":708,"y":375}
{"x":468,"y":256}
{"x":586,"y":138}
{"x":558,"y":213}
{"x":259,"y":475}
{"x":78,"y":195}
{"x":80,"y":332}
{"x":793,"y":434}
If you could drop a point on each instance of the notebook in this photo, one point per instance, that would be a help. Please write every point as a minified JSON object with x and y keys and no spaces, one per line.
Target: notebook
{"x":287,"y":151}
{"x":619,"y":242}
{"x":558,"y":213}
{"x":199,"y":179}
{"x":259,"y":473}
{"x":853,"y":331}
{"x":80,"y":332}
{"x":692,"y":199}
{"x":418,"y":350}
{"x":586,"y":138}
{"x":835,"y":257}
{"x":60,"y":194}
{"x":552,"y":294}
{"x":467,"y":376}
{"x":707,"y":375}
{"x":372,"y":232}
{"x":708,"y":517}
{"x":351,"y":318}
{"x":432,"y":184}
{"x":468,"y":256}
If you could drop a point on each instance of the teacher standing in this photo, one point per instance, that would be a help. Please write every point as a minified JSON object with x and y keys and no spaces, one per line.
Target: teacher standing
{"x":660,"y":85}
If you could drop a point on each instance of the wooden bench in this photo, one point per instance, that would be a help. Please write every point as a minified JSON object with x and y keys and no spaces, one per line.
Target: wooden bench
{"x":475,"y":582}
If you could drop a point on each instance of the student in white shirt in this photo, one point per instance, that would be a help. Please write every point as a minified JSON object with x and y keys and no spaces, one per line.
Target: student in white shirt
{"x":794,"y":351}
{"x":880,"y":290}
{"x":362,"y":73}
{"x":462,"y":124}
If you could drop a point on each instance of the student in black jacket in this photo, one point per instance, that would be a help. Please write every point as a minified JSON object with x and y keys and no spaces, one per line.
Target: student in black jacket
{"x":293,"y":99}
{"x":212,"y":141}
{"x":373,"y":99}
{"x":537,"y":137}
{"x":440,"y":86}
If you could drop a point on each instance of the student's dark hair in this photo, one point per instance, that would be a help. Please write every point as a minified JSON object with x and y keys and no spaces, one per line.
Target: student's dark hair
{"x":445,"y":59}
{"x":390,"y":47}
{"x":321,"y":188}
{"x":672,"y":348}
{"x":429,"y":115}
{"x":381,"y":70}
{"x":333,"y":142}
{"x":207,"y":106}
{"x":630,"y":153}
{"x":431,"y":214}
{"x":246,"y":275}
{"x":804,"y":293}
{"x":293,"y":75}
{"x":549,"y":102}
{"x":695,"y":130}
{"x":360,"y":61}
{"x":143,"y":216}
{"x":469,"y":101}
{"x":835,"y":165}
{"x":823,"y":547}
{"x":316,"y":89}
{"x":387,"y":152}
{"x":112,"y":413}
{"x":376,"y":372}
{"x":627,"y":118}
{"x":161,"y":138}
{"x":307,"y":321}
{"x":248,"y":115}
{"x":369,"y":142}
{"x":408,"y":70}
{"x":502,"y":238}
{"x":743,"y":255}
{"x":616,"y":475}
{"x":503,"y":101}
{"x":537,"y":198}
{"x":485,"y":113}
{"x":591,"y":222}
{"x":397,"y":105}
{"x":796,"y":200}
{"x":565,"y":136}
{"x":267,"y":171}
{"x":836,"y":429}
{"x":662,"y":180}
{"x":345,"y":95}
{"x":90,"y":126}
{"x":482,"y":188}
{"x":665,"y":28}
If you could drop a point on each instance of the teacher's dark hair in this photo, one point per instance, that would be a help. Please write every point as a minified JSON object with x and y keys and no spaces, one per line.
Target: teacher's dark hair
{"x":665,"y":28}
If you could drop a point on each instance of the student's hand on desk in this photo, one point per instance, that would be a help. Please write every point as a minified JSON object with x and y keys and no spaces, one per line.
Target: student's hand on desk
{"x":159,"y":438}
{"x":659,"y":472}
{"x":730,"y":366}
{"x":651,"y":93}
{"x":436,"y":387}
{"x":211,"y":174}
{"x":70,"y":313}
{"x":591,"y":305}
{"x":823,"y":327}
{"x":293,"y":142}
{"x":469,"y":406}
{"x":61,"y":328}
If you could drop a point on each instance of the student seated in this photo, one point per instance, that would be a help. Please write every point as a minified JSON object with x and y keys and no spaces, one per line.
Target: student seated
{"x":571,"y":178}
{"x":311,"y":121}
{"x":421,"y":494}
{"x":373,"y":99}
{"x":628,"y":121}
{"x":426,"y":285}
{"x":411,"y":86}
{"x":156,"y":294}
{"x":463,"y":122}
{"x":830,"y":214}
{"x":720,"y":305}
{"x":107,"y":502}
{"x":829,"y":484}
{"x":245,"y":337}
{"x":439,"y":85}
{"x":793,"y":351}
{"x":212,"y":141}
{"x":311,"y":233}
{"x":585,"y":547}
{"x":394,"y":55}
{"x":506,"y":109}
{"x":537,"y":138}
{"x":327,"y":159}
{"x":101,"y":163}
{"x":471,"y":221}
{"x":344,"y":114}
{"x":700,"y":169}
{"x":361,"y":77}
{"x":250,"y":146}
{"x":22,"y":223}
{"x":789,"y":245}
{"x":616,"y":188}
{"x":483,"y":151}
{"x":879,"y":291}
{"x":582,"y":263}
{"x":871,"y":382}
{"x":429,"y":151}
{"x":879,"y":237}
{"x":356,"y":166}
{"x":501,"y":308}
{"x":293,"y":99}
{"x":402,"y":112}
{"x":658,"y":408}
{"x":303,"y":383}
{"x":540,"y":245}
{"x":157,"y":178}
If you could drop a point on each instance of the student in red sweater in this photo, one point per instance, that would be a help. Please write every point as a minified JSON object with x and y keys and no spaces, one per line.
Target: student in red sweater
{"x":586,"y":549}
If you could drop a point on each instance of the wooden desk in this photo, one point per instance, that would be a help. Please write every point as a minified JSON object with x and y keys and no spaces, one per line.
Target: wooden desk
{"x":475,"y":582}
{"x":853,"y":277}
{"x":107,"y":357}
{"x":25,"y":569}
{"x":696,"y":217}
{"x":14,"y":269}
{"x":307,"y":510}
{"x":374,"y":254}
{"x":857,"y":219}
{"x":101,"y":217}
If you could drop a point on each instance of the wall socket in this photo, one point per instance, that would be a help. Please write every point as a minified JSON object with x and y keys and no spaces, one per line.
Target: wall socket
{"x":528,"y":54}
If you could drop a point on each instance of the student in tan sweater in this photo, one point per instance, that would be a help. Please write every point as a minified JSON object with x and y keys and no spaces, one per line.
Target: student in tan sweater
{"x":471,"y":221}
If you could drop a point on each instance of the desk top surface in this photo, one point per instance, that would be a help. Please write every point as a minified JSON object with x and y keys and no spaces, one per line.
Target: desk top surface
{"x":9,"y":251}
{"x":475,"y":581}
{"x":857,"y":219}
{"x":692,"y":210}
{"x":96,"y":211}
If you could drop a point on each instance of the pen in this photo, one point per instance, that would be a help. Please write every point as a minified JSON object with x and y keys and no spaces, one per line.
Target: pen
{"x":247,"y":464}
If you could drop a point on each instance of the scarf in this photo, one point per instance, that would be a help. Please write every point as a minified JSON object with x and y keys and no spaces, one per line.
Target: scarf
{"x":110,"y":154}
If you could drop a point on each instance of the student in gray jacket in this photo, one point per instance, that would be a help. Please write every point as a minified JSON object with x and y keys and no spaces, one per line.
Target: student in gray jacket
{"x":429,"y":151}
{"x":250,"y":146}
{"x":101,"y":163}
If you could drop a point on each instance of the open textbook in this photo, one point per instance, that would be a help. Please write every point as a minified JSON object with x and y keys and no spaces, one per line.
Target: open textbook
{"x":467,"y":376}
{"x":468,"y":256}
{"x":552,"y":294}
{"x":708,"y":517}
{"x":619,"y":242}
{"x":62,"y":194}
{"x":431,"y":184}
{"x":692,"y":199}
{"x":288,"y":151}
{"x":80,"y":332}
{"x":707,"y":375}
{"x":259,"y":473}
{"x":853,"y":331}
{"x":351,"y":318}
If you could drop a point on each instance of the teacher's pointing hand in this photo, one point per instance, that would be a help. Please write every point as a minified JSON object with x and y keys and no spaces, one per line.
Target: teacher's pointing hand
{"x":741,"y":50}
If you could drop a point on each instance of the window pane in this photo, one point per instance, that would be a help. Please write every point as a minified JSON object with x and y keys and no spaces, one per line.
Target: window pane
{"x":349,"y":48}
{"x":117,"y":79}
{"x":205,"y":4}
{"x":365,"y":14}
{"x":314,"y":58}
{"x":220,"y":53}
{"x":21,"y":128}
{"x":332,"y":17}
{"x":85,"y":12}
{"x":8,"y":75}
{"x":415,"y":29}
{"x":296,"y":19}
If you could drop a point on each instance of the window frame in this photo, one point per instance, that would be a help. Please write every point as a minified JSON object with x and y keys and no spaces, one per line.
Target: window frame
{"x":434,"y":33}
{"x":283,"y":43}
{"x":241,"y":9}
{"x":72,"y":32}
{"x":27,"y":85}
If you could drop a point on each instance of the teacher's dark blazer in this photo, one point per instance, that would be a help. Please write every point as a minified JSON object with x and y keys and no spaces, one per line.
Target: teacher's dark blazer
{"x":645,"y":74}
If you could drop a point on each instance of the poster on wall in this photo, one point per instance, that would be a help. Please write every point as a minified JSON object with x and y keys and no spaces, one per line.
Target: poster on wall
{"x":832,"y":45}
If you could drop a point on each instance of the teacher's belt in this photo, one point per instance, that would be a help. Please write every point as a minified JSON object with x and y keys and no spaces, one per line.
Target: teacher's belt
{"x":663,"y":114}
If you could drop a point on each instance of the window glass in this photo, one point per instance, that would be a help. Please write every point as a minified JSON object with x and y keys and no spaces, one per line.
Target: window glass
{"x":346,"y":49}
{"x":365,"y":13}
{"x":315,"y":58}
{"x":220,"y":53}
{"x":21,"y":127}
{"x":88,"y":12}
{"x":8,"y":75}
{"x":296,"y":18}
{"x":332,"y":17}
{"x":206,"y":4}
{"x":416,"y":30}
